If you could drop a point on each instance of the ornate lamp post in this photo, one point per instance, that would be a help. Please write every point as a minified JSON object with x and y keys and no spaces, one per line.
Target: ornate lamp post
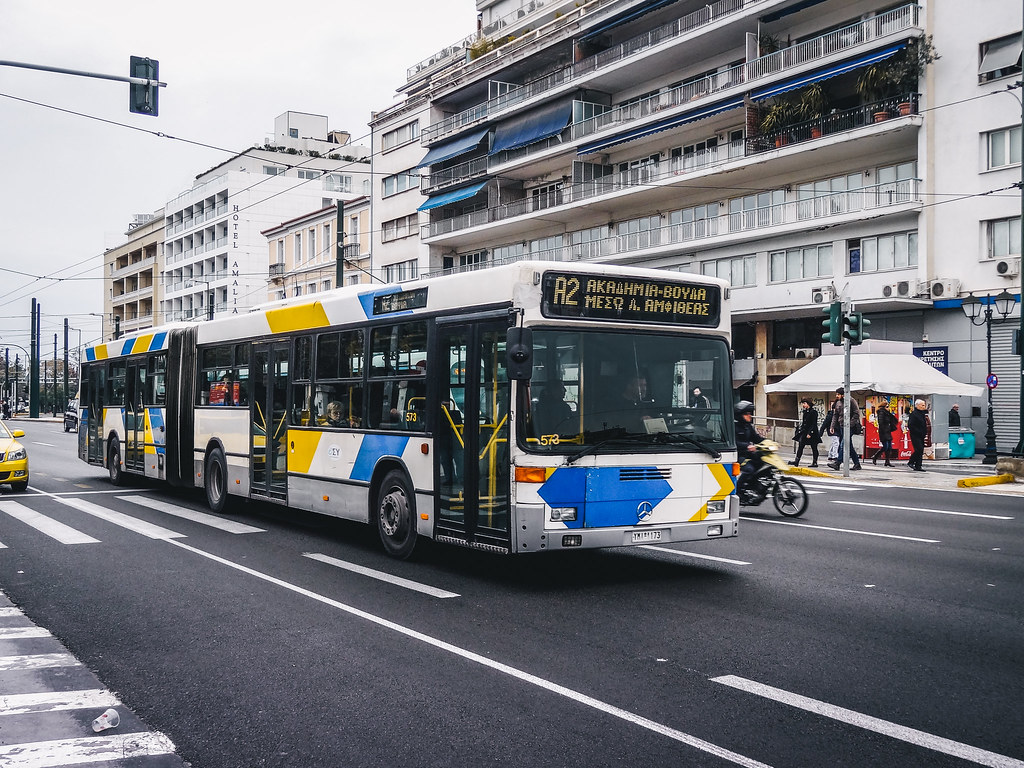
{"x":982,"y":315}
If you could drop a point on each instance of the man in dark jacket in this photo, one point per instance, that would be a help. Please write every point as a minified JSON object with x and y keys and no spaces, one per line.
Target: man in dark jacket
{"x":807,"y":433}
{"x":746,"y":440}
{"x":887,"y":424}
{"x":917,"y":426}
{"x":837,"y":428}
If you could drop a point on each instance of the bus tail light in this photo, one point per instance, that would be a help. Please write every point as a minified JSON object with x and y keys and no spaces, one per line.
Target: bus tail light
{"x":531,"y":474}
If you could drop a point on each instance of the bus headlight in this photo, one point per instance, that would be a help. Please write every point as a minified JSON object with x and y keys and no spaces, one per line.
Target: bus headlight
{"x":563,"y":514}
{"x":716,"y":507}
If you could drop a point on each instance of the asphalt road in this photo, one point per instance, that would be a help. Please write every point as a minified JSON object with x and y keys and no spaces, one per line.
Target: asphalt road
{"x":882,"y":628}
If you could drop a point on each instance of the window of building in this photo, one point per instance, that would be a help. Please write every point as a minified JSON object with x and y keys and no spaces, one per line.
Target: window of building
{"x":306,"y":173}
{"x":400,"y":182}
{"x":404,"y":270}
{"x":877,"y":254}
{"x":589,"y":243}
{"x":464,"y":260}
{"x":338,"y":182}
{"x":328,"y":243}
{"x":399,"y":228}
{"x":512,"y":252}
{"x":1000,"y":58}
{"x":800,"y":263}
{"x":695,"y":222}
{"x":273,"y":170}
{"x":298,"y":247}
{"x":297,"y":290}
{"x":761,"y":210}
{"x":1003,"y":237}
{"x":829,"y":197}
{"x":638,"y":233}
{"x":325,"y":285}
{"x":401,"y":135}
{"x":1004,"y":147}
{"x":740,"y":271}
{"x":293,"y":133}
{"x":353,"y":228}
{"x":352,"y":280}
{"x":280,"y":251}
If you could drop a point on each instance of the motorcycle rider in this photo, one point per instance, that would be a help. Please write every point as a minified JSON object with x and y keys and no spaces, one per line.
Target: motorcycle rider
{"x":746,"y":442}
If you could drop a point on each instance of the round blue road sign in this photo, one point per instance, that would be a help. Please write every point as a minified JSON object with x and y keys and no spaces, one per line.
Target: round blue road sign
{"x":992,"y":381}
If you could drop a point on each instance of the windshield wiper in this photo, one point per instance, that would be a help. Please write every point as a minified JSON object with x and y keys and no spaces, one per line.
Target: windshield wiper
{"x":676,"y":437}
{"x":608,"y":441}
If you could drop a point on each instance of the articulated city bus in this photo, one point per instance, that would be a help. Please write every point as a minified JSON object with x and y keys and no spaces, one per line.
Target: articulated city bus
{"x":530,"y":407}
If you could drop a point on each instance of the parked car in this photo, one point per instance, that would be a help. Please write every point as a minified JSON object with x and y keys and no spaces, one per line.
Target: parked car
{"x":71,"y":416}
{"x":13,"y":458}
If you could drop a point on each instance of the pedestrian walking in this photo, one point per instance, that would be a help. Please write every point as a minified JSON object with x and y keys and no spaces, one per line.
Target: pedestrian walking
{"x":887,"y":424}
{"x":917,"y":426}
{"x":807,"y":433}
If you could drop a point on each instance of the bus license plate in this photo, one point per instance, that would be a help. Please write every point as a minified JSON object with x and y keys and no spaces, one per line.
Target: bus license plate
{"x":646,"y":536}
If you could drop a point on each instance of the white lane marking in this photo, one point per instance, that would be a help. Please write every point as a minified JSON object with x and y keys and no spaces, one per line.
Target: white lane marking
{"x":48,"y":445}
{"x":125,"y":521}
{"x":37,"y":492}
{"x":381,"y":576}
{"x":23,"y":633}
{"x":841,"y":530}
{"x":476,"y":658}
{"x":54,"y":701}
{"x":37,"y":661}
{"x":693,"y":554}
{"x":884,"y":727}
{"x":2,"y":545}
{"x":923,"y":509}
{"x":190,"y":514}
{"x":94,"y":749}
{"x":55,"y":529}
{"x":7,"y":612}
{"x":838,"y":485}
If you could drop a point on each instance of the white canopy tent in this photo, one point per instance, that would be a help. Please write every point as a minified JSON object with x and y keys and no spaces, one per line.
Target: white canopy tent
{"x":886,"y":373}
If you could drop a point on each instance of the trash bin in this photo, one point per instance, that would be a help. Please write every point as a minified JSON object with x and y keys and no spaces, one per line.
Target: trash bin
{"x":961,"y":443}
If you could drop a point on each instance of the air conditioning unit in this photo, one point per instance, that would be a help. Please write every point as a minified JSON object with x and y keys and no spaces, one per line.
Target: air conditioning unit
{"x":904,"y":289}
{"x":823,"y":295}
{"x":945,"y":289}
{"x":1008,"y":267}
{"x":803,"y":353}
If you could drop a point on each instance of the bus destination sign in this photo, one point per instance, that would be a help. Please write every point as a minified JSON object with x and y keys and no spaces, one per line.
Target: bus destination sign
{"x":403,"y":301}
{"x":630,"y":299}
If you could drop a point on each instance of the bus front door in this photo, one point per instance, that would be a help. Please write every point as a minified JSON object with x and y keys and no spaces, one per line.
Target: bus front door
{"x":472,"y":453}
{"x":268,"y":420}
{"x":135,"y":416}
{"x":94,"y":425}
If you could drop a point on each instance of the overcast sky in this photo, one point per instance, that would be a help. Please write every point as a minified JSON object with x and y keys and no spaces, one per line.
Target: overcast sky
{"x":75,"y":166}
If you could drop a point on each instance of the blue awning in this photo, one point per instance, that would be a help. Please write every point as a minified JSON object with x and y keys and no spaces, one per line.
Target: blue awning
{"x":769,"y":17}
{"x":452,"y":197}
{"x":452,"y":149}
{"x":531,"y":127}
{"x":823,"y":74}
{"x":662,"y":125}
{"x":625,"y":16}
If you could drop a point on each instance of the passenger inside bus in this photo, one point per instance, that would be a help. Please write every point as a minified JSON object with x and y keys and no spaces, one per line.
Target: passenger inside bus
{"x":335,"y":418}
{"x":552,"y":415}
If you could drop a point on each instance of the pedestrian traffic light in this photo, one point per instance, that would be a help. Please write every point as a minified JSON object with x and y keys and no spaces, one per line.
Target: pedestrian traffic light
{"x":142,"y":99}
{"x":855,"y":323}
{"x":833,"y":324}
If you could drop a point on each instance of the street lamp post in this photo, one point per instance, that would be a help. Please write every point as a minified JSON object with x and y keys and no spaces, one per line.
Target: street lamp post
{"x":978,"y":315}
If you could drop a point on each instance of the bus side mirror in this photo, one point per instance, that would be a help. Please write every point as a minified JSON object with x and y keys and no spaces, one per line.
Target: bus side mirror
{"x":519,"y":351}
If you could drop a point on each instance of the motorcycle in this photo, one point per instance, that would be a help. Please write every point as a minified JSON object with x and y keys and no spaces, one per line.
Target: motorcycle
{"x":787,"y":493}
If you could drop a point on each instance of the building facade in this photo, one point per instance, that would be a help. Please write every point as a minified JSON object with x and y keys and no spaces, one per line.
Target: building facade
{"x":805,"y":150}
{"x":132,"y":277}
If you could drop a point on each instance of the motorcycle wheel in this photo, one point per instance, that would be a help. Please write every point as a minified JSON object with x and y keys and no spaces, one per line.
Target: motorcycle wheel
{"x":789,"y":497}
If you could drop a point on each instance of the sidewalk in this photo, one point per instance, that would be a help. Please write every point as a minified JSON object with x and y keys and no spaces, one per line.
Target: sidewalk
{"x":939,"y":474}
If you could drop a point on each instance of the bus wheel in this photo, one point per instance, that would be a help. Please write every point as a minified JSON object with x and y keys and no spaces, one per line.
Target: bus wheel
{"x":114,"y":464}
{"x":216,"y":481}
{"x":396,"y":515}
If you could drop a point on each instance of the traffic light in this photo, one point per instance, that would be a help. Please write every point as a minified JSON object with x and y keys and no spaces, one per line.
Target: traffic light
{"x":142,"y":99}
{"x":833,"y":324}
{"x":117,"y":327}
{"x":855,"y":323}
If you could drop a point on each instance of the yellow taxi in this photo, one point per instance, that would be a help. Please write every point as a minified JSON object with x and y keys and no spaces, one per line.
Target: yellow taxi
{"x":13,"y":458}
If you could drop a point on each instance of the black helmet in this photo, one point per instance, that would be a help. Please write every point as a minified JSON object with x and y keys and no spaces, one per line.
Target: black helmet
{"x":744,"y":406}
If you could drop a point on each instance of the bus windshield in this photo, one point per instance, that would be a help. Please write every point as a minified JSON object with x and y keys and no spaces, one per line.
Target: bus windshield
{"x":594,"y":388}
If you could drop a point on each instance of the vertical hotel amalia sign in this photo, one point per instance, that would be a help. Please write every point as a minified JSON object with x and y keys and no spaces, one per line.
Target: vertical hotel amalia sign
{"x":233,"y":291}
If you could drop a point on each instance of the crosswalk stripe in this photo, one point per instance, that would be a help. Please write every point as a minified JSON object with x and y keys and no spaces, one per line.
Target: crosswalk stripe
{"x":94,"y":749}
{"x":117,"y":518}
{"x":55,"y":529}
{"x":36,"y":661}
{"x":8,"y":612}
{"x":22,"y":633}
{"x":190,"y":514}
{"x":54,"y":701}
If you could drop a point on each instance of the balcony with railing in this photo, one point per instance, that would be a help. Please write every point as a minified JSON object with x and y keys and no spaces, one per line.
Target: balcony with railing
{"x":792,"y":214}
{"x":846,"y":40}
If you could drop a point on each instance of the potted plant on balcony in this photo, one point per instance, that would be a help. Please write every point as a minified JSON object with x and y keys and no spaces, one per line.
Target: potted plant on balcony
{"x":896,"y":76}
{"x":779,"y":116}
{"x":813,"y":106}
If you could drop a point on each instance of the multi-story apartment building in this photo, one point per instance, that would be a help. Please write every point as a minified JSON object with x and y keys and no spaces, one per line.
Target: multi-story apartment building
{"x":215,"y":255}
{"x":802,"y":149}
{"x":131,"y":271}
{"x":303,"y":251}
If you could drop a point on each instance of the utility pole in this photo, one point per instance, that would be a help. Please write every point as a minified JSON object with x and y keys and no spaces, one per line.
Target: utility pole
{"x":55,"y":374}
{"x":847,"y":432}
{"x":33,"y":384}
{"x":64,"y":400}
{"x":339,"y":269}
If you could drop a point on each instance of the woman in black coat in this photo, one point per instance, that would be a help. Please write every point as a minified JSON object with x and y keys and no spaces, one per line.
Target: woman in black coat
{"x":807,"y":433}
